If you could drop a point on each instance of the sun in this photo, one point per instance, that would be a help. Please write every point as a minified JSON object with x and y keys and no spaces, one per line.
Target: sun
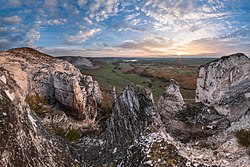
{"x":180,"y":53}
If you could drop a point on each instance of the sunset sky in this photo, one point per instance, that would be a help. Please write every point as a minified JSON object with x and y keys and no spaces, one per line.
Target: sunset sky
{"x":149,"y":28}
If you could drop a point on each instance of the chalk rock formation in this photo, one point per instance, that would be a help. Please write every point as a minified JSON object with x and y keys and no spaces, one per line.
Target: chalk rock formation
{"x":191,"y":122}
{"x":133,"y":115}
{"x":135,"y":134}
{"x":80,"y":62}
{"x":113,"y":95}
{"x":225,"y":84}
{"x":170,"y":102}
{"x":24,"y":140}
{"x":54,"y":80}
{"x":196,"y":122}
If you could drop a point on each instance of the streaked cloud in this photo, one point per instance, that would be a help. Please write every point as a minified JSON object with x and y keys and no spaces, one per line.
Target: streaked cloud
{"x":81,"y":36}
{"x":11,"y":20}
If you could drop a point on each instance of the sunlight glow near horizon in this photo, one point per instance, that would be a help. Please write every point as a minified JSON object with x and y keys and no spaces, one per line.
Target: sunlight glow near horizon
{"x":113,"y":28}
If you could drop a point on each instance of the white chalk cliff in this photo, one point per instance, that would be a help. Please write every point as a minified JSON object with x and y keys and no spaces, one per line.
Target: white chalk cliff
{"x":225,"y":84}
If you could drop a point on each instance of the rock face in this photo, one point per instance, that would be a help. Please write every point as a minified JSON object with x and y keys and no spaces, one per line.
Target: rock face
{"x":113,"y":95}
{"x":191,"y":122}
{"x":24,"y":140}
{"x":196,"y":122}
{"x":56,"y":81}
{"x":221,"y":108}
{"x":134,"y":136}
{"x":80,"y":62}
{"x":225,"y":84}
{"x":133,"y":115}
{"x":170,"y":102}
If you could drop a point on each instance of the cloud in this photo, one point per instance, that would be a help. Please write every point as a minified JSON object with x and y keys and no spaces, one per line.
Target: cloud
{"x":11,"y":37}
{"x":81,"y":36}
{"x":11,"y":20}
{"x":131,"y":16}
{"x":154,"y":26}
{"x":82,"y":2}
{"x":135,"y":21}
{"x":55,"y":22}
{"x":50,"y":4}
{"x":5,"y":44}
{"x":124,"y":27}
{"x":33,"y":33}
{"x":88,"y":20}
{"x":31,"y":36}
{"x":243,"y":32}
{"x":174,"y":16}
{"x":14,"y":3}
{"x":215,"y":47}
{"x":101,"y":10}
{"x":153,"y":44}
{"x":4,"y":32}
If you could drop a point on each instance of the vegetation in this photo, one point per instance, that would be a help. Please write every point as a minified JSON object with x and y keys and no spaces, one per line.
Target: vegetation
{"x":37,"y":104}
{"x":148,"y":73}
{"x":58,"y":131}
{"x":243,"y":137}
{"x":167,"y":153}
{"x":70,"y":135}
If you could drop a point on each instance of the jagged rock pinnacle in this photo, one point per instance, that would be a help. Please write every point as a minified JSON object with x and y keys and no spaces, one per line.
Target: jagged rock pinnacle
{"x":171,"y":101}
{"x":113,"y":95}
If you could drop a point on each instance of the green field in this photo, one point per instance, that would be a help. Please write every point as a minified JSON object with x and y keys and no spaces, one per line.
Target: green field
{"x":108,"y":77}
{"x":114,"y":72}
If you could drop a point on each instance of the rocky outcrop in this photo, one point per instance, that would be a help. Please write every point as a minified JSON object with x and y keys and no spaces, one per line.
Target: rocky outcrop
{"x":58,"y":82}
{"x":196,"y":122}
{"x":113,"y":95}
{"x":190,"y":122}
{"x":137,"y":134}
{"x":80,"y":62}
{"x":225,"y":84}
{"x":221,"y":98}
{"x":133,"y":115}
{"x":170,"y":102}
{"x":24,"y":140}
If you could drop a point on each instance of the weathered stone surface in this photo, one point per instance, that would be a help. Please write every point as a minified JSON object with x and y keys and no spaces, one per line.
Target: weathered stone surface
{"x":225,"y":84}
{"x":154,"y":150}
{"x":133,"y":115}
{"x":55,"y":80}
{"x":196,"y":122}
{"x":170,"y":102}
{"x":80,"y":62}
{"x":113,"y":95}
{"x":24,"y":140}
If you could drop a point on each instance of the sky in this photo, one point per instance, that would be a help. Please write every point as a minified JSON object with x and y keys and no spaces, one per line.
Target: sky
{"x":127,"y":28}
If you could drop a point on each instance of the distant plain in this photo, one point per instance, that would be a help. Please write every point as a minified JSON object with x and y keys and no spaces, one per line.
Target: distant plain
{"x":150,"y":73}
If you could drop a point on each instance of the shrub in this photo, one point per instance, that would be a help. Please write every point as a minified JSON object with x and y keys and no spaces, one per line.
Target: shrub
{"x":243,"y":137}
{"x":72,"y":135}
{"x":58,"y":131}
{"x":37,"y":104}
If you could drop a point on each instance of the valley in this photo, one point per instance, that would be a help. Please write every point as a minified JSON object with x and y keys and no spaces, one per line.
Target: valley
{"x":150,"y":73}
